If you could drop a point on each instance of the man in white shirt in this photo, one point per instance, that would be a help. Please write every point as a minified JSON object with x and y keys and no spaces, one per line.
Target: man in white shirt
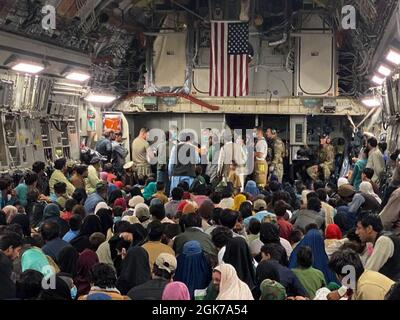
{"x":261,"y":166}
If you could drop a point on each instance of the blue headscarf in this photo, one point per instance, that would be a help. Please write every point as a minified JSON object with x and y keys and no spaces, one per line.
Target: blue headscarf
{"x":193,"y":268}
{"x":251,"y":188}
{"x":314,"y":240}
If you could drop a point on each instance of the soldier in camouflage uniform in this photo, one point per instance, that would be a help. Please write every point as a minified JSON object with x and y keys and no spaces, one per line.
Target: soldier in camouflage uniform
{"x":278,"y":148}
{"x":326,"y":156}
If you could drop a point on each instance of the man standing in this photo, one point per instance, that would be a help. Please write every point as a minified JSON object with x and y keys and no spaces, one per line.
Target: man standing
{"x":278,"y":154}
{"x":326,"y":156}
{"x":103,"y":146}
{"x":261,"y":166}
{"x":375,"y":159}
{"x":119,"y":153}
{"x":139,"y":153}
{"x":182,"y":164}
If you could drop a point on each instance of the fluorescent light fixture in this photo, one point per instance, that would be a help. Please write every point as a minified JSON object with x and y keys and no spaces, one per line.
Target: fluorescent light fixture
{"x":77,"y":76}
{"x":384,"y":70}
{"x":371,"y":102}
{"x":28,"y":67}
{"x":100,"y":98}
{"x":378,"y":80}
{"x":393,"y":56}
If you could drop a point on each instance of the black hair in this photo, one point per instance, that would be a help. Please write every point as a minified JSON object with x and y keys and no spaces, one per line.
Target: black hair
{"x":216,"y":197}
{"x":49,"y":230}
{"x":108,"y":167}
{"x":353,"y":236}
{"x":157,"y":211}
{"x":274,"y":250}
{"x":246,"y":209}
{"x":95,"y":240}
{"x":30,"y":178}
{"x":32,"y":196}
{"x":122,"y":226}
{"x":155,"y":230}
{"x":171,"y":230}
{"x":310,"y":226}
{"x":322,"y":194}
{"x":369,"y":172}
{"x":274,"y":186}
{"x":372,"y":220}
{"x":184,"y":185}
{"x":254,"y":226}
{"x":296,"y":235}
{"x":60,"y":187}
{"x":79,"y":210}
{"x":177,"y":193}
{"x":269,"y":233}
{"x":314,"y":204}
{"x":70,"y":204}
{"x":75,"y":222}
{"x":220,"y":236}
{"x":280,"y":195}
{"x":81,"y":169}
{"x":118,"y":211}
{"x":3,"y":220}
{"x":103,"y":275}
{"x":101,"y":187}
{"x":318,"y":185}
{"x":311,"y":194}
{"x":10,"y":239}
{"x":5,"y":182}
{"x":200,"y":189}
{"x":305,"y":257}
{"x":372,"y":142}
{"x":191,"y":220}
{"x":216,"y":216}
{"x":29,"y":284}
{"x":38,"y":166}
{"x":160,"y":186}
{"x":80,"y":195}
{"x":280,"y":208}
{"x":229,"y":218}
{"x":141,"y":180}
{"x":227,"y":192}
{"x":59,"y":164}
{"x":162,"y":273}
{"x":344,"y":258}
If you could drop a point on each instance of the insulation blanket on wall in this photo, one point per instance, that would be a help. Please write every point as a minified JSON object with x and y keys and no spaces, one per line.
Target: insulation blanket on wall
{"x":170,"y":60}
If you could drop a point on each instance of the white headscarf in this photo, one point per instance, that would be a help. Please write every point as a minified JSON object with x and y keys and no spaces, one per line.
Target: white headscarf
{"x":366,"y":187}
{"x":101,"y":205}
{"x":231,"y":287}
{"x":342,"y":181}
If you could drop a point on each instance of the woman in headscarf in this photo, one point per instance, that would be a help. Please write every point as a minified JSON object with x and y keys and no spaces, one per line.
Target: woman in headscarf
{"x":23,"y":221}
{"x":333,"y":239}
{"x":68,"y":260}
{"x":87,"y":259}
{"x":176,"y":291}
{"x":120,"y":202}
{"x":251,"y":188}
{"x":116,"y":194}
{"x":135,"y":191}
{"x":237,"y":254}
{"x":35,"y":259}
{"x":101,"y":205}
{"x":135,"y":270}
{"x":193,"y":268}
{"x":106,"y":221}
{"x":90,"y":225}
{"x":230,"y":287}
{"x":237,"y":201}
{"x":10,"y":212}
{"x":265,"y":270}
{"x":314,"y":240}
{"x":7,"y":286}
{"x":366,"y":187}
{"x":149,"y":190}
{"x":52,"y":212}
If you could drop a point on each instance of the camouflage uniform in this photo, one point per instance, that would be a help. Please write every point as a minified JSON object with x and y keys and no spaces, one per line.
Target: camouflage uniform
{"x":279,"y":154}
{"x":326,"y":158}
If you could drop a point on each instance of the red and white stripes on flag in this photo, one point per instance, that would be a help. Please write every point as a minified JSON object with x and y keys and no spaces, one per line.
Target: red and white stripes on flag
{"x":229,"y":66}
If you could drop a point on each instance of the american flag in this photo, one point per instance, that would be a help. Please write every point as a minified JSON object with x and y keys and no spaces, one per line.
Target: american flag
{"x":229,"y":66}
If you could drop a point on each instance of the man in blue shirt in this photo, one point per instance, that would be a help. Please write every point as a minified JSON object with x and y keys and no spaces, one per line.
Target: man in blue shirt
{"x":50,"y":232}
{"x":95,"y":198}
{"x":75,"y":224}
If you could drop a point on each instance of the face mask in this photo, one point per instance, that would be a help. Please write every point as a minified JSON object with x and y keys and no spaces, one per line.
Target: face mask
{"x":74,"y":292}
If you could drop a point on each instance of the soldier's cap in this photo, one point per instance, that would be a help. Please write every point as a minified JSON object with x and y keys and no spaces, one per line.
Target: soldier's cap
{"x":128,"y":165}
{"x":346,"y":190}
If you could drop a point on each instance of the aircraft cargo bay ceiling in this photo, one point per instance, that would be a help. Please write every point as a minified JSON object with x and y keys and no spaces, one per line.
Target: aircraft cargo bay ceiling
{"x":118,"y":35}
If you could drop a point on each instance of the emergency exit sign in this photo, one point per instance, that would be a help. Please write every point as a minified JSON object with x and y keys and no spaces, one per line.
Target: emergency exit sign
{"x":312,"y":102}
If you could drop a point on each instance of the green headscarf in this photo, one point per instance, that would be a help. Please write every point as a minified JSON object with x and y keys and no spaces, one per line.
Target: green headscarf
{"x":149,"y":190}
{"x":272,"y":290}
{"x":35,"y":259}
